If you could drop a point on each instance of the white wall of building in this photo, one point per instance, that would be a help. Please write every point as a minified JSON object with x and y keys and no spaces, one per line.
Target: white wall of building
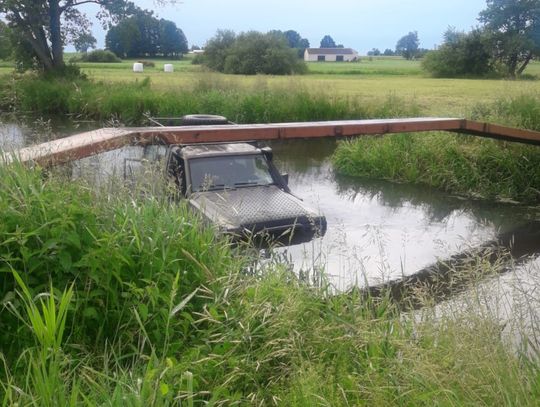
{"x":329,"y":57}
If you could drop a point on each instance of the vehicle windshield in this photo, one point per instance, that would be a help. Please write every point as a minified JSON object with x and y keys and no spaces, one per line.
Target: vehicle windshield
{"x":210,"y":173}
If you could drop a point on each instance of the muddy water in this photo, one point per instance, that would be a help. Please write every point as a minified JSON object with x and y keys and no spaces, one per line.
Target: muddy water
{"x":377,"y":231}
{"x":12,"y":136}
{"x":380,"y":231}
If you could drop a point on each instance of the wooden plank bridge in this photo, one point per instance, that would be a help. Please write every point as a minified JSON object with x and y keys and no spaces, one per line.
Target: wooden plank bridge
{"x":98,"y":141}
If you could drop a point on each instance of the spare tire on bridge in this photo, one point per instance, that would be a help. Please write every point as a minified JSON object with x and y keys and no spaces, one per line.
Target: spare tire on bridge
{"x":203,"y":119}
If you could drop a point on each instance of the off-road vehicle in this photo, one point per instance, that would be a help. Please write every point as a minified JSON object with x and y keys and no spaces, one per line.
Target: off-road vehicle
{"x":236,"y":187}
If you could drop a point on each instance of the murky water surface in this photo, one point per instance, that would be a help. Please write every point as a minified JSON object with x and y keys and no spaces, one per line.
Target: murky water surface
{"x":13,"y":136}
{"x":377,"y":231}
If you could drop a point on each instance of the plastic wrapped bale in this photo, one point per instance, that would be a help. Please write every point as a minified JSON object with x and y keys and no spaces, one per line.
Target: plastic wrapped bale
{"x":168,"y":68}
{"x":138,"y":67}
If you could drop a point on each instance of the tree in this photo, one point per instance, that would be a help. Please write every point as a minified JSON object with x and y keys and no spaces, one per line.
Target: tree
{"x":461,"y":54}
{"x":407,"y":46}
{"x":452,"y":36}
{"x":293,"y":38}
{"x":143,"y":35}
{"x":172,"y":41}
{"x":252,"y":53}
{"x":217,"y":49}
{"x":84,"y":41}
{"x":515,"y":29}
{"x":327,"y":42}
{"x":296,"y":41}
{"x":388,"y":52}
{"x":47,"y":25}
{"x":6,"y":49}
{"x":123,"y":39}
{"x":374,"y":52}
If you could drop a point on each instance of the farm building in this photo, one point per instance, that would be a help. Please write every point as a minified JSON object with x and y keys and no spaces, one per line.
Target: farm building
{"x":330,"y":54}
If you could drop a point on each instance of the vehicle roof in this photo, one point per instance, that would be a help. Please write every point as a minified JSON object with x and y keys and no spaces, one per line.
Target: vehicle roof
{"x":218,"y":149}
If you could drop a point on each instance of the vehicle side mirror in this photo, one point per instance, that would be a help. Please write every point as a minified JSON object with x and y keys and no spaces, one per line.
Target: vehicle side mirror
{"x":285,"y":178}
{"x":267,"y":151}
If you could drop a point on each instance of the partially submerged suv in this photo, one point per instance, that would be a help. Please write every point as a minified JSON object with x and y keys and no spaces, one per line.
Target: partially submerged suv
{"x":236,"y":187}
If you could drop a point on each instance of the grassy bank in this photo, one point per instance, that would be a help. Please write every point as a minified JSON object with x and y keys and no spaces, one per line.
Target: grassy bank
{"x":122,"y":299}
{"x":131,"y":103}
{"x":458,"y":164}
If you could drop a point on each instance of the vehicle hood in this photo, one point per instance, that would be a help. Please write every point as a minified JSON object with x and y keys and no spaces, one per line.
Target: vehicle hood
{"x":250,"y":206}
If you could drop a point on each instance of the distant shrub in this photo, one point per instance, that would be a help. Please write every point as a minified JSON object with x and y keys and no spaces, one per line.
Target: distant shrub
{"x":252,"y":53}
{"x":461,"y":55}
{"x":147,"y":64}
{"x":99,"y":55}
{"x":198,"y":59}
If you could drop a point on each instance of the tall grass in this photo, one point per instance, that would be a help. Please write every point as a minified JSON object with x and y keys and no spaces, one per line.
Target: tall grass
{"x":124,"y":299}
{"x":46,"y":361}
{"x":125,"y":257}
{"x":273,"y":341}
{"x":132,"y":103}
{"x":458,"y":164}
{"x":110,"y":297}
{"x":522,"y":110}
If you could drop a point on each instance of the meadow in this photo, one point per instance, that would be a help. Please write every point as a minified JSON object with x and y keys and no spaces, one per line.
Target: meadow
{"x":369,"y":81}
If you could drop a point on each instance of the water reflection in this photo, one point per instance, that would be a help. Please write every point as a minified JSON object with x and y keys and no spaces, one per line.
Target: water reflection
{"x":510,"y":299}
{"x":12,"y":137}
{"x":381,"y":231}
{"x":127,"y":164}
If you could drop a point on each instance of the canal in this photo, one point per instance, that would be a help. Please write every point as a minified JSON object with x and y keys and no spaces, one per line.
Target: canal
{"x":378,"y":231}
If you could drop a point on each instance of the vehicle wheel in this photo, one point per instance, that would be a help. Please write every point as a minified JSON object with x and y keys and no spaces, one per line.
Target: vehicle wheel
{"x":203,"y":119}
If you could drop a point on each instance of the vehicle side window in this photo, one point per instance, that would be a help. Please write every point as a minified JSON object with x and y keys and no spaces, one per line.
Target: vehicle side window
{"x":176,"y":170}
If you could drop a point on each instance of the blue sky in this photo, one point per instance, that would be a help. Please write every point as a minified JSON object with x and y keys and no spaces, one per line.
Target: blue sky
{"x":360,"y":24}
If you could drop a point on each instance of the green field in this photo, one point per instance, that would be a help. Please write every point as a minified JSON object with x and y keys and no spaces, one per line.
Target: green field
{"x":368,"y":80}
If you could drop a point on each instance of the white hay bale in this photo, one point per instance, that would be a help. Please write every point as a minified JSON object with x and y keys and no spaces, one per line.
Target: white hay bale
{"x":138,"y":67}
{"x":168,"y":68}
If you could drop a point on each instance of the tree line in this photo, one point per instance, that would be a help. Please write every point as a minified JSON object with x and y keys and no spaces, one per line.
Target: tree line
{"x":507,"y":39}
{"x":37,"y":31}
{"x":143,"y":35}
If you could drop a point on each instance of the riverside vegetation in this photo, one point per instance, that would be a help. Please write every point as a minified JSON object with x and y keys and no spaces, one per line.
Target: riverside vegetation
{"x":112,"y":297}
{"x":455,"y":163}
{"x":116,"y":297}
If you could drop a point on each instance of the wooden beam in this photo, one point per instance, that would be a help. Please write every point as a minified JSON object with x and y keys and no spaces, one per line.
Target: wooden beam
{"x":97,"y":141}
{"x":498,"y":132}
